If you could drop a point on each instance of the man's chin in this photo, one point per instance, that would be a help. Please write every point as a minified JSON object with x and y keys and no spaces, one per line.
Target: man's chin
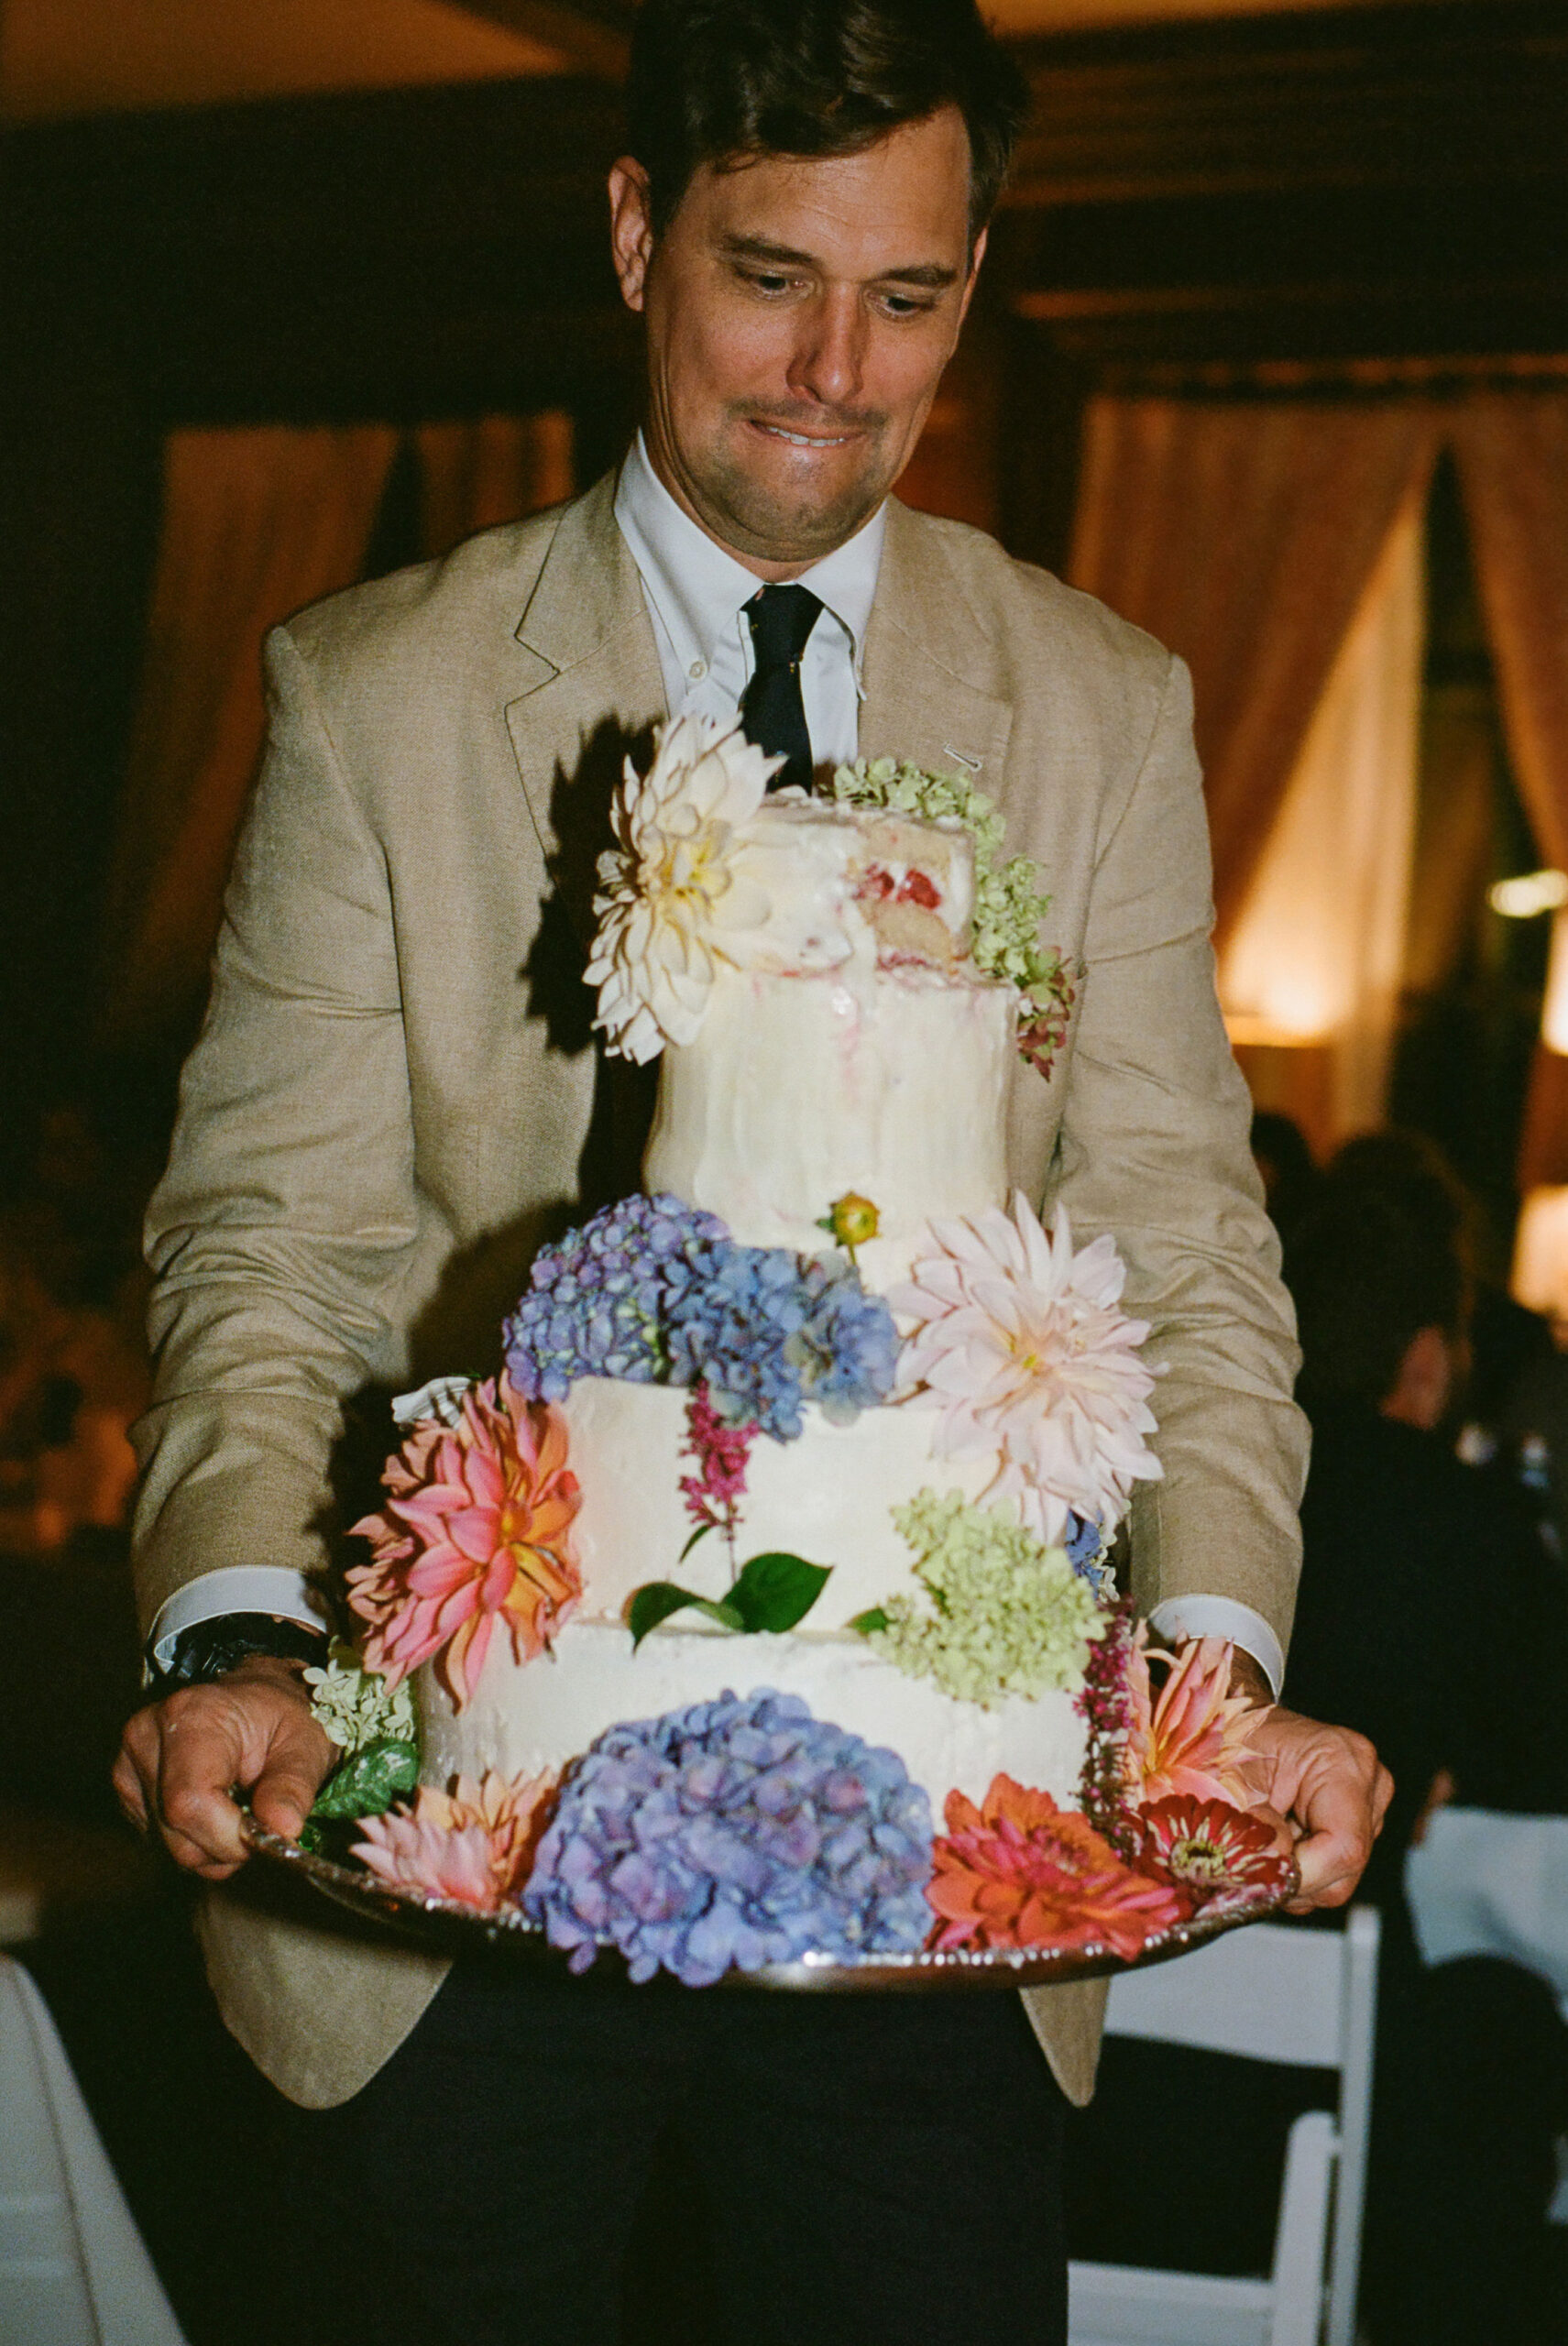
{"x":766,"y":525}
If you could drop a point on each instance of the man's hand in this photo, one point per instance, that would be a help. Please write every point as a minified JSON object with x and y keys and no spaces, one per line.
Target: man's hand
{"x":1328,"y":1784}
{"x":181,"y":1761}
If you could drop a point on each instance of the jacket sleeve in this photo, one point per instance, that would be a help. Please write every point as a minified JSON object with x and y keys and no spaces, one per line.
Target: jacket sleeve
{"x":1154,"y":1148}
{"x":283,"y":1234}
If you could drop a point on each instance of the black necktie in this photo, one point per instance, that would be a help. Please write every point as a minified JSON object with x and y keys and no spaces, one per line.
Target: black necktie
{"x":771,"y":711}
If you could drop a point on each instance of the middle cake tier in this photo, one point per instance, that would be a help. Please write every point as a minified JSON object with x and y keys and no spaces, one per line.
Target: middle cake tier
{"x":826,"y":1496}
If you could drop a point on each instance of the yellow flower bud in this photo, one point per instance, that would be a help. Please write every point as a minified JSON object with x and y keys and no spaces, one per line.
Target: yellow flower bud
{"x":853,"y":1219}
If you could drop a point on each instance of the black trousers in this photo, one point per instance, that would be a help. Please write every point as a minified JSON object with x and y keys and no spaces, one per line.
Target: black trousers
{"x":877,"y":2170}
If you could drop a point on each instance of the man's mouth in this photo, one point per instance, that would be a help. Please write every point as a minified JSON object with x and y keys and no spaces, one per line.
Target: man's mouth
{"x":802,"y":439}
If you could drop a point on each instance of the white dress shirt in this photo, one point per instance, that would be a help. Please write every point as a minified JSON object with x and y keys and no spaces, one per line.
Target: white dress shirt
{"x":695,"y":594}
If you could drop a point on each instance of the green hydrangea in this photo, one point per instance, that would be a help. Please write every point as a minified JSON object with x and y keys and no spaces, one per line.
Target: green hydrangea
{"x":1009,"y":904}
{"x":356,"y":1706}
{"x":1009,"y":1614}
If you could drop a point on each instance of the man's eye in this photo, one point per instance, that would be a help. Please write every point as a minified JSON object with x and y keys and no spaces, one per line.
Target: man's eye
{"x":906,"y":306}
{"x":767,"y":281}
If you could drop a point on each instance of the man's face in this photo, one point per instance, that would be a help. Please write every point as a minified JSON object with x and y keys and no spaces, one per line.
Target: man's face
{"x":799,"y":314}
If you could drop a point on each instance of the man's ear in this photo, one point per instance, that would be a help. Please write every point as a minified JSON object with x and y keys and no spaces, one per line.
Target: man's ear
{"x":630,"y":228}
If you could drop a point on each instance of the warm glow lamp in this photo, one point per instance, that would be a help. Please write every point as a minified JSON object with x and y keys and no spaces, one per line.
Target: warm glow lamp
{"x":1541,"y":1255}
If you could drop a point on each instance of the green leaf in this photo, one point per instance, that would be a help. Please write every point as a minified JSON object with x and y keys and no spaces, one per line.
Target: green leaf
{"x":368,"y":1781}
{"x":657,"y":1599}
{"x":775,"y":1591}
{"x":701,"y":1533}
{"x":870,"y":1622}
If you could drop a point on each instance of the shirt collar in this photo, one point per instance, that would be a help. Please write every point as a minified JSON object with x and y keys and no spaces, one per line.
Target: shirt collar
{"x":698,"y":589}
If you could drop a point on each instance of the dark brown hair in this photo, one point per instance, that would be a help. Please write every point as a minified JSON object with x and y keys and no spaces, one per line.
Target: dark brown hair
{"x":723,"y":81}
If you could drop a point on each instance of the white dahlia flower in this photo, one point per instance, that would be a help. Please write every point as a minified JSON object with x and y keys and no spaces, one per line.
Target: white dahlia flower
{"x":681,"y":891}
{"x":1021,"y":1344}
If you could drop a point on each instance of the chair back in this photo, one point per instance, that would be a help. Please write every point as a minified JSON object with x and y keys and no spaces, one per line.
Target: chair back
{"x":1308,"y":1998}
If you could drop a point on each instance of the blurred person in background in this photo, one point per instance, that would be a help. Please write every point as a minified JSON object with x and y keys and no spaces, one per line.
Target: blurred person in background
{"x":1457,"y":1670}
{"x":1286,"y":1167}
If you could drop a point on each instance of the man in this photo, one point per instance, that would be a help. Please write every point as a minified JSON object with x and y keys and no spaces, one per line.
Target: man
{"x":396,"y":1069}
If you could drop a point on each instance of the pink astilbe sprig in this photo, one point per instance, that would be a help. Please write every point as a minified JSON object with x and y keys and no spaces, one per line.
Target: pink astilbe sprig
{"x":1196,"y":1737}
{"x":713,"y":1495}
{"x":474,"y":1845}
{"x":476,"y":1534}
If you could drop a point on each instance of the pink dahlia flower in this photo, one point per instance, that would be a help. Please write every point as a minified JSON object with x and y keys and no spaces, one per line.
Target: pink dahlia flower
{"x":1023,"y":1346}
{"x":474,"y":1845}
{"x":476,"y":1532}
{"x":1018,"y":1871}
{"x":1196,"y":1738}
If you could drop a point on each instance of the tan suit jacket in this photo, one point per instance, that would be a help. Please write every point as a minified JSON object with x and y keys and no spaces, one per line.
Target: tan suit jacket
{"x":395,"y":1092}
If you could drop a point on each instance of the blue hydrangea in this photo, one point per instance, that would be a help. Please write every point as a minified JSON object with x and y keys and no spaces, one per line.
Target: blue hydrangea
{"x":739,"y":1832}
{"x":595,"y":1302}
{"x":846,"y":1347}
{"x":655,"y":1291}
{"x":1088,"y":1556}
{"x":768,"y":1330}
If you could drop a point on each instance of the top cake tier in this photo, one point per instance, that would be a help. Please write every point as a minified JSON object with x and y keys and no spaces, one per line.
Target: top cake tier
{"x":858,"y":1049}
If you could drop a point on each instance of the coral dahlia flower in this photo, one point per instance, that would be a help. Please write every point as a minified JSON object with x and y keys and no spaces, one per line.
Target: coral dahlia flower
{"x":1018,"y":1871}
{"x":476,"y":1534}
{"x":474,"y":1845}
{"x":681,"y":890}
{"x":1023,"y":1346}
{"x":1213,"y":1850}
{"x":1196,"y":1738}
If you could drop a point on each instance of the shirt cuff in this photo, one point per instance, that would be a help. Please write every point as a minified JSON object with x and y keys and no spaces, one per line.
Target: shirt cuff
{"x":1222,"y":1616}
{"x":234,"y":1588}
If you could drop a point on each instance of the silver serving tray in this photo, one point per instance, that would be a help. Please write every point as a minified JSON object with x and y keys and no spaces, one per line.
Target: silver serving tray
{"x":444,"y":1924}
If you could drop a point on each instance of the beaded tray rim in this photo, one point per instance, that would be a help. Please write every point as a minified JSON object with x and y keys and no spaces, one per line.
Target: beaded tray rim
{"x":443,"y":1925}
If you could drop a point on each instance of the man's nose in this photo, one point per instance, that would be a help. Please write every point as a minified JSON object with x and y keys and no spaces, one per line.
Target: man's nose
{"x":828,"y":364}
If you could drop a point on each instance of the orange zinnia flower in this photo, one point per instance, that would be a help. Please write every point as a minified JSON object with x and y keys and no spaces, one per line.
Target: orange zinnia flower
{"x":1019,"y":1871}
{"x":476,"y":1531}
{"x":1195,"y":1739}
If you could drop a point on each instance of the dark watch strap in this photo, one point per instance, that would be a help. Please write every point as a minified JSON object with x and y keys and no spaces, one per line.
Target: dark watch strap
{"x":210,"y":1649}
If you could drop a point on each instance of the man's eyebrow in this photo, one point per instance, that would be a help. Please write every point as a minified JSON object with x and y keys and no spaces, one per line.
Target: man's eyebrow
{"x":930,"y":276}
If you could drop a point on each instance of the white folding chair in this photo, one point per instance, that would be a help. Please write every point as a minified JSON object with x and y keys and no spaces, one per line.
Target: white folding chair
{"x":74,"y":2271}
{"x":1307,"y":1998}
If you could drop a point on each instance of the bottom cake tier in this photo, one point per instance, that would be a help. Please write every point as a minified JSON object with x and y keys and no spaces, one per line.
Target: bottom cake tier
{"x":519,"y":1721}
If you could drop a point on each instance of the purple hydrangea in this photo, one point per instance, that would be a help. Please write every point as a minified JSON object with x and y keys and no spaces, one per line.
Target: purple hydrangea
{"x":738,"y":1832}
{"x":595,"y":1301}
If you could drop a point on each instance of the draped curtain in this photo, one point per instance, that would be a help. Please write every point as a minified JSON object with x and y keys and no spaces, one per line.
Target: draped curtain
{"x":1243,"y":536}
{"x":256,"y":523}
{"x":1316,"y":955}
{"x":1512,"y":454}
{"x":496,"y":469}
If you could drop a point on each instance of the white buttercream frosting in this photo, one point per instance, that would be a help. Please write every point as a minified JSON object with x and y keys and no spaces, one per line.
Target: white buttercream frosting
{"x":826,"y":1497}
{"x":888,"y":1083}
{"x":521,"y":1720}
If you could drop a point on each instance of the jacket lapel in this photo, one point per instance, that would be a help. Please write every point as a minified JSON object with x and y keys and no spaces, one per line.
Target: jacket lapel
{"x":593,"y":692}
{"x":933,"y":695}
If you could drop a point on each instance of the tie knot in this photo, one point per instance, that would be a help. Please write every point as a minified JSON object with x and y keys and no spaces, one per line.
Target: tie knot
{"x":782,"y":619}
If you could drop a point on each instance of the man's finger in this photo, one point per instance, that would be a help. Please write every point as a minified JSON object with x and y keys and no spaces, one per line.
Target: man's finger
{"x":199,"y":1820}
{"x":283,"y":1795}
{"x":129,"y":1790}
